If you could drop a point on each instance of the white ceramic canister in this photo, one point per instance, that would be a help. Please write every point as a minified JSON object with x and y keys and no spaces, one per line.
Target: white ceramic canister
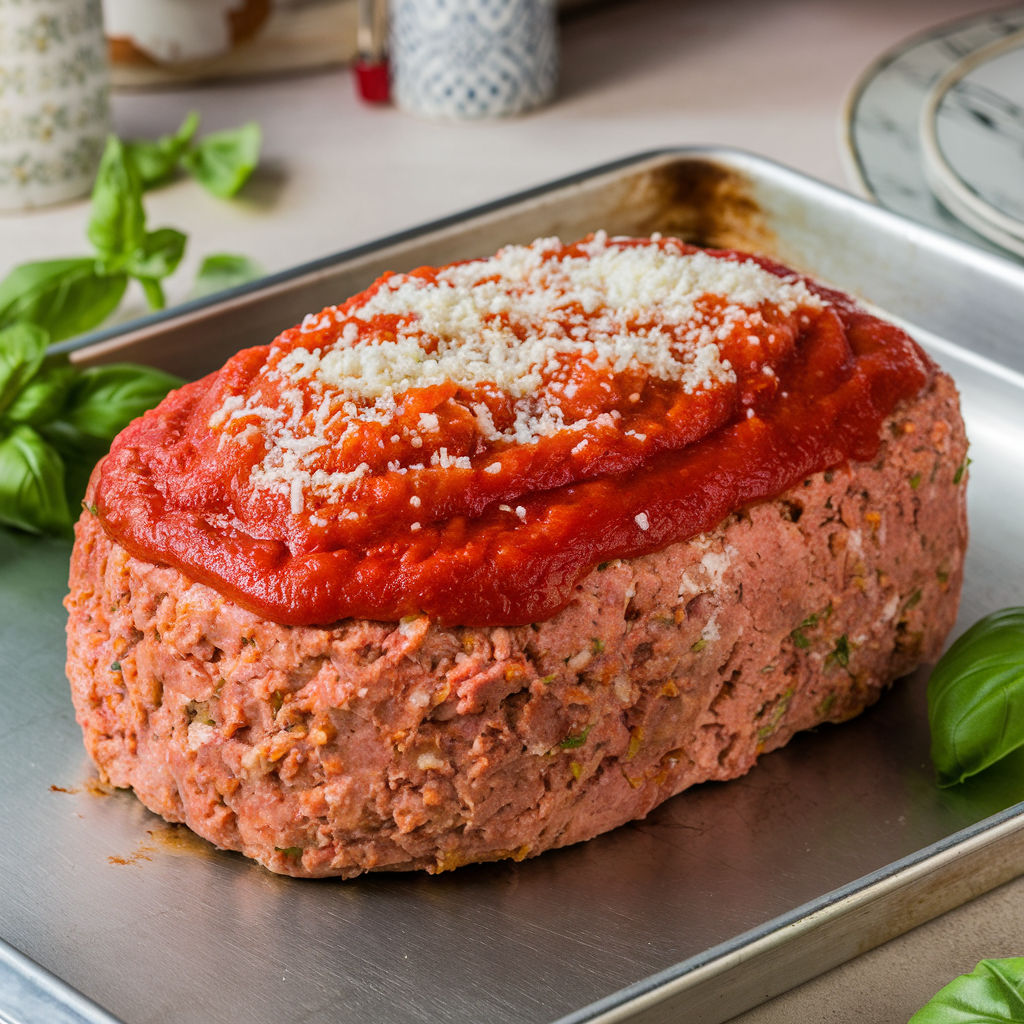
{"x":54,"y":108}
{"x":179,"y":31}
{"x":473,"y":58}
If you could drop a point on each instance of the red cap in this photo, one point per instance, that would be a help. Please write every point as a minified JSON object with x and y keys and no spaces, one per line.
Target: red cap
{"x":372,"y":81}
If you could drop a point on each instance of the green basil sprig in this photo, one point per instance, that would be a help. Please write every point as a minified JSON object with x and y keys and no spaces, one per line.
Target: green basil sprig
{"x":976,"y":698}
{"x":117,"y":227}
{"x":32,"y":495}
{"x":221,"y":162}
{"x":56,"y":421}
{"x":63,"y":297}
{"x":66,"y":297}
{"x":993,"y":993}
{"x":157,"y":159}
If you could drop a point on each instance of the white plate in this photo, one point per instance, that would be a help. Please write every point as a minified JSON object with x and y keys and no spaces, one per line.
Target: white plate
{"x":884,"y":110}
{"x":972,"y":138}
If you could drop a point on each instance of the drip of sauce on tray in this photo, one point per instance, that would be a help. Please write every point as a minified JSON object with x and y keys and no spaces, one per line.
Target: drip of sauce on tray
{"x":468,"y":442}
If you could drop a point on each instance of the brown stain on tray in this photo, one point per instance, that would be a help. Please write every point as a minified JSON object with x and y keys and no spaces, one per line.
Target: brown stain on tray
{"x":180,"y":840}
{"x":701,"y":202}
{"x":142,"y":852}
{"x":166,"y":838}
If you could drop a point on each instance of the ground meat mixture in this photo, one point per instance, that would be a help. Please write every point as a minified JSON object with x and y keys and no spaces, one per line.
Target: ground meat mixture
{"x":394,"y":745}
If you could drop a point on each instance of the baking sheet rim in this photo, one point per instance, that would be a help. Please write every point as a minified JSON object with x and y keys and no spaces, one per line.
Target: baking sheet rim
{"x":930,"y":863}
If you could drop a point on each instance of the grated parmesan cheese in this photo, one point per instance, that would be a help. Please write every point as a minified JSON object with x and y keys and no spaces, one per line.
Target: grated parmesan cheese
{"x":515,"y":327}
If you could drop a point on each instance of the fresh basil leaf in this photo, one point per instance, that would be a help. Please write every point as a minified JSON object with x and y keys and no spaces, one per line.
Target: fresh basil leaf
{"x":107,"y":398}
{"x":31,"y":484}
{"x":80,"y":452}
{"x":43,"y":398}
{"x":976,"y":697}
{"x":22,"y":350}
{"x":993,"y":993}
{"x":64,"y":297}
{"x":117,"y":224}
{"x":224,"y":271}
{"x":222,"y":161}
{"x":156,"y":159}
{"x":159,"y":254}
{"x":154,"y":292}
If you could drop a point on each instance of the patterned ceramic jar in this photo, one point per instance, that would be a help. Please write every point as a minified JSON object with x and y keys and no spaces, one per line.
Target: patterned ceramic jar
{"x":54,"y":110}
{"x":473,"y":58}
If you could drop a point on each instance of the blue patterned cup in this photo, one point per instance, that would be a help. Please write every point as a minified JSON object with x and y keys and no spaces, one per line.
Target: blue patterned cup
{"x":54,"y":113}
{"x":473,"y":58}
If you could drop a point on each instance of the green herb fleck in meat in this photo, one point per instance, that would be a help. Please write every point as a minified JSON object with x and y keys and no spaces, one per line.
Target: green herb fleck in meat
{"x":812,"y":620}
{"x":915,"y":481}
{"x":698,"y":645}
{"x":840,"y":654}
{"x":777,"y":714}
{"x":574,"y":740}
{"x":115,"y":666}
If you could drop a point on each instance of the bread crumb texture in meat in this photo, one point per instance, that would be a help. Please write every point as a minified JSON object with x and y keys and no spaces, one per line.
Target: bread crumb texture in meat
{"x":388,"y":746}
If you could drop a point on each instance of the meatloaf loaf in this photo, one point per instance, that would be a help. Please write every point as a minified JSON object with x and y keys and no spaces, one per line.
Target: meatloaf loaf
{"x":364,"y":744}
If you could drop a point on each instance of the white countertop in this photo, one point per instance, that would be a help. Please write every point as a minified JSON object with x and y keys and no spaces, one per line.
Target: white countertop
{"x":770,"y":76}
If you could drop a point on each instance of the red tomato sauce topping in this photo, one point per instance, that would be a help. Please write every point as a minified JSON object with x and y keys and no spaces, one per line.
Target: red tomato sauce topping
{"x":470,"y":441}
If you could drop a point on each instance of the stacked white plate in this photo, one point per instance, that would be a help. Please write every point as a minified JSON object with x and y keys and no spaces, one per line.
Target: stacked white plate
{"x":935,"y":130}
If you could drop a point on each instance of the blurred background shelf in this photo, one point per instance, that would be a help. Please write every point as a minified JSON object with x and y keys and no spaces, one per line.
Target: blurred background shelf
{"x":298,"y":35}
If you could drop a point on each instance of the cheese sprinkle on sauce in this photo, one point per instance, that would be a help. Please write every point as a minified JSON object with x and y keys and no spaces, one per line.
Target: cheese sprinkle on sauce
{"x":529,"y":340}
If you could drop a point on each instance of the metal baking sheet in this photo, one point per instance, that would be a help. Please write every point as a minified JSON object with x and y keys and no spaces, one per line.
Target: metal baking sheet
{"x":719,"y":899}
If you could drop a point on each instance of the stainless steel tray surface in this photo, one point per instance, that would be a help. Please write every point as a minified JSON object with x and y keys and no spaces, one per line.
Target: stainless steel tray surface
{"x":720,"y":898}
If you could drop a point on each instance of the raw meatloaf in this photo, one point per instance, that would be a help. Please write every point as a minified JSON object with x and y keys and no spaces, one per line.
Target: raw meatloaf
{"x":427,"y":581}
{"x":376,"y":746}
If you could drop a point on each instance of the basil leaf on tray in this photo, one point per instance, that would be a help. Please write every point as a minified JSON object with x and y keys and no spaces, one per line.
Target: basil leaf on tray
{"x":224,"y":271}
{"x":156,"y":159}
{"x":22,"y":350}
{"x":976,"y":697}
{"x":32,"y":483}
{"x":993,"y":993}
{"x":106,"y":399}
{"x":64,"y":297}
{"x":222,"y":161}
